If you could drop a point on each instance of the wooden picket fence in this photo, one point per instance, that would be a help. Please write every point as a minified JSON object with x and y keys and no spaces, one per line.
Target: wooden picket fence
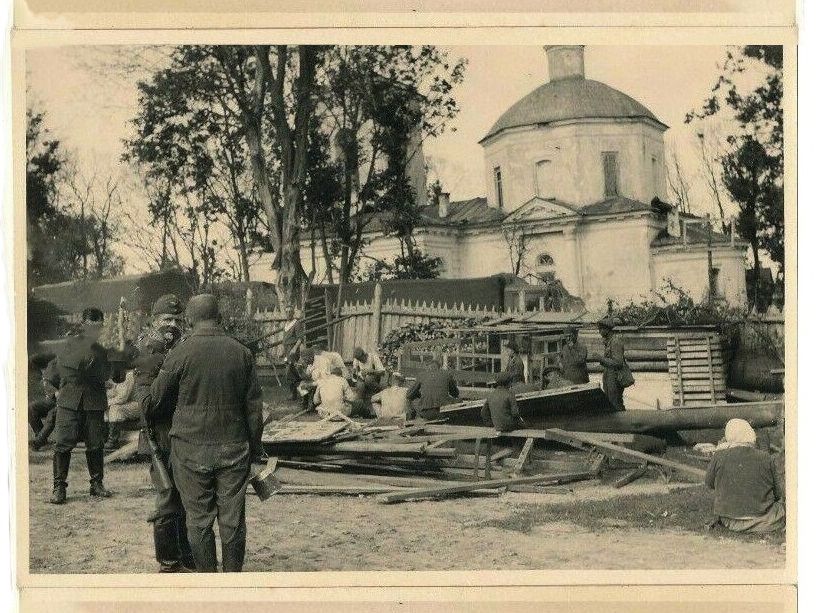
{"x":366,"y":323}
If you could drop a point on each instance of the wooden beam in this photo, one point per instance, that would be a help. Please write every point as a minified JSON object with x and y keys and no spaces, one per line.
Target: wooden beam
{"x":125,"y":451}
{"x":523,"y":456}
{"x":479,"y":485}
{"x":631,"y":476}
{"x":582,"y":441}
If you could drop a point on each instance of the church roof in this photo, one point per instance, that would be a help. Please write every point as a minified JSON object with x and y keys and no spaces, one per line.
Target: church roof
{"x":695,"y":235}
{"x":475,"y":210}
{"x":616,"y":204}
{"x":573,"y":98}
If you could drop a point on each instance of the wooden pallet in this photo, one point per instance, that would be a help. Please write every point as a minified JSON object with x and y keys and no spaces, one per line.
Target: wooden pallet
{"x":697,"y":370}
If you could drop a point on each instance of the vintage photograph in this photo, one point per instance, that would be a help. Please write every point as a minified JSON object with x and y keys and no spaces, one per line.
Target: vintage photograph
{"x":405,"y":307}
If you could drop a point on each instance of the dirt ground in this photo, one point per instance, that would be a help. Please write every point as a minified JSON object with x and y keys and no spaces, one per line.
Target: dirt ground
{"x":646,"y":525}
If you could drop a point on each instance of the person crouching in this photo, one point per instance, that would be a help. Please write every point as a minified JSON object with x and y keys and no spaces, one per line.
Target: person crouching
{"x":500,"y":409}
{"x":333,"y":394}
{"x":749,"y":490}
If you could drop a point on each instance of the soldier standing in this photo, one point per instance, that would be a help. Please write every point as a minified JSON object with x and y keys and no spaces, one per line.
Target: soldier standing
{"x":81,"y":373}
{"x":216,"y":431}
{"x":168,"y":518}
{"x":617,"y":375}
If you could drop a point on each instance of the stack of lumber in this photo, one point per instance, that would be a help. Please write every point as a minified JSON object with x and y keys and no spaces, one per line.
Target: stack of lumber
{"x":697,"y":370}
{"x":422,"y":460}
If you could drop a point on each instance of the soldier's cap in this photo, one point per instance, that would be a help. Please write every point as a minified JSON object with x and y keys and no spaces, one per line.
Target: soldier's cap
{"x":358,"y":353}
{"x":504,"y":378}
{"x":513,"y":347}
{"x":307,"y":355}
{"x":169,"y":304}
{"x":92,"y":316}
{"x":202,"y":307}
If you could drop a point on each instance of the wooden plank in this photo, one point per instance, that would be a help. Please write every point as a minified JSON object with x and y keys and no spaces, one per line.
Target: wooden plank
{"x":581,"y":440}
{"x":630,"y":477}
{"x":302,"y":432}
{"x":478,"y":485}
{"x":523,"y":456}
{"x":703,"y":362}
{"x":699,"y":387}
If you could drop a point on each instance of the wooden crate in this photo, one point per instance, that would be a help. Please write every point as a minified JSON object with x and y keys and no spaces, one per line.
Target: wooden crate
{"x":697,"y":370}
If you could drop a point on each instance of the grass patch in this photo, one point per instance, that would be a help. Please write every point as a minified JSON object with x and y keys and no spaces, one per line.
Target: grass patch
{"x":686,"y":509}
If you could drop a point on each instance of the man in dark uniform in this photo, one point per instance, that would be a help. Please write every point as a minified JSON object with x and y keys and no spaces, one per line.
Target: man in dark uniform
{"x":170,"y":541}
{"x":617,"y":374}
{"x":434,"y":388}
{"x":500,"y":409}
{"x":81,"y":373}
{"x":574,"y":358}
{"x":515,"y":367}
{"x":211,"y":379}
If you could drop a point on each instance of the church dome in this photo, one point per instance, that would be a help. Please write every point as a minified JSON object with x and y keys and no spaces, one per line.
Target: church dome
{"x":568,"y":95}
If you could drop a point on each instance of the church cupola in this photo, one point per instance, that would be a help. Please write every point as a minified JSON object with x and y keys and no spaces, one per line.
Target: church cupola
{"x":565,"y":61}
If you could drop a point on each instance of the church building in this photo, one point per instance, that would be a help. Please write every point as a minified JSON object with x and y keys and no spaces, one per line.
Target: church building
{"x":576,"y":193}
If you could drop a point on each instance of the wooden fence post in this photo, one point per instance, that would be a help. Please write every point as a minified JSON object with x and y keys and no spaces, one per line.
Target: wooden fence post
{"x":377,"y":310}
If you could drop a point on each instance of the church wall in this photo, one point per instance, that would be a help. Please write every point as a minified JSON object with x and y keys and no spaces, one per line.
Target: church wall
{"x":615,"y":260}
{"x":688,"y":269}
{"x":575,"y":151}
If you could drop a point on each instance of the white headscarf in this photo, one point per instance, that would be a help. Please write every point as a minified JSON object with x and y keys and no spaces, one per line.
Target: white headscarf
{"x":738,"y":433}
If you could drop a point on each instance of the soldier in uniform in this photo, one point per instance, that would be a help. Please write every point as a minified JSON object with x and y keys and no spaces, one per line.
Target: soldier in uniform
{"x":211,"y":379}
{"x":170,"y":542}
{"x":515,"y":367}
{"x":617,"y":375}
{"x":81,"y":373}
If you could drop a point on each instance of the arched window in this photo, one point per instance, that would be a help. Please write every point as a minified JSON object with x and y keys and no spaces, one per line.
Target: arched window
{"x":544,"y":260}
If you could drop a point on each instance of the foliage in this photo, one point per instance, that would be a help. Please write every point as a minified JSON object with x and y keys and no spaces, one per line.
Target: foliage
{"x":393,"y":342}
{"x":376,"y":105}
{"x":671,"y":306}
{"x":416,"y":265}
{"x":62,"y":234}
{"x":232,"y":305}
{"x":44,"y":320}
{"x":190,"y":149}
{"x":752,"y":169}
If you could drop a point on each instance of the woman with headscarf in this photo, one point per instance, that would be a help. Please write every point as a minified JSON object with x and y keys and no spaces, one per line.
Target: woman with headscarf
{"x":748,"y":484}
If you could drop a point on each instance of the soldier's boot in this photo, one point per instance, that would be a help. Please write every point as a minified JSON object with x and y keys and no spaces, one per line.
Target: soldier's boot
{"x":184,"y":543}
{"x":96,"y":463}
{"x":62,"y":461}
{"x":114,"y":434}
{"x":167,"y":546}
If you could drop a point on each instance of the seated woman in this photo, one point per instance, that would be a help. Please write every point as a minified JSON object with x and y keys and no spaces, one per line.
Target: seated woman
{"x":121,"y":408}
{"x":748,"y":484}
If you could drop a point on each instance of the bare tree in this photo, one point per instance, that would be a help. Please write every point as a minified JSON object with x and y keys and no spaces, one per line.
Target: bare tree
{"x":711,"y":171}
{"x":516,"y":243}
{"x":677,"y":179}
{"x":98,"y":203}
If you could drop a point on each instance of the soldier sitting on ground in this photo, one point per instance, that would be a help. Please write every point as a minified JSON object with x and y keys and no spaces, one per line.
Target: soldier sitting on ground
{"x":42,"y":410}
{"x":500,"y":409}
{"x":393,"y":401}
{"x":433,"y":388}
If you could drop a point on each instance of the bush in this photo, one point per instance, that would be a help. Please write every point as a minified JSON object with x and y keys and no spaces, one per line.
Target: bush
{"x":393,"y":342}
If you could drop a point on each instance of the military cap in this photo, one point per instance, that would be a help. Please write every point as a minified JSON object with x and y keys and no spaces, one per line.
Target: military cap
{"x":513,"y":346}
{"x":202,"y":307}
{"x":307,"y":355}
{"x":169,"y":304}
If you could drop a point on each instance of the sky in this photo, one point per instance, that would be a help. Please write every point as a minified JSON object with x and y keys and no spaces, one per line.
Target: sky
{"x":89,"y":108}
